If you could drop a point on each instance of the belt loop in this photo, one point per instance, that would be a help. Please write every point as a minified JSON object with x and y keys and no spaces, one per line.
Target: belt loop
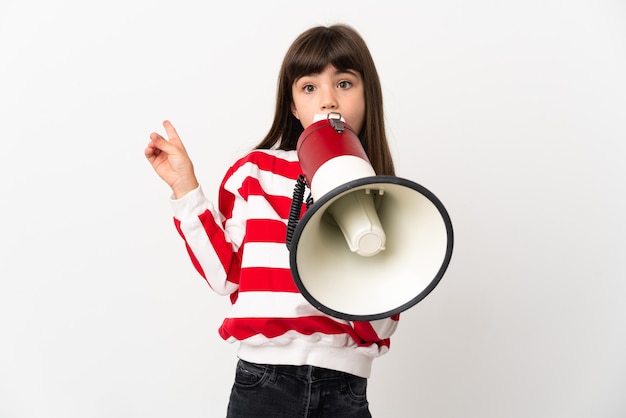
{"x":343,"y":383}
{"x":273,"y":373}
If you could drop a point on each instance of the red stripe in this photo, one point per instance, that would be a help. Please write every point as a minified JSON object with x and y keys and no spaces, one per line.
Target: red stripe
{"x":242,"y":328}
{"x":225,"y":202}
{"x":221,"y":246}
{"x":263,"y":279}
{"x":231,"y":262}
{"x":266,"y":230}
{"x":268,"y":162}
{"x":280,"y":204}
{"x":194,"y":260}
{"x":365,"y":331}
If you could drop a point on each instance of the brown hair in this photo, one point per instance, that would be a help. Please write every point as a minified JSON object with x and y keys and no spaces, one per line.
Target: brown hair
{"x":310,"y":53}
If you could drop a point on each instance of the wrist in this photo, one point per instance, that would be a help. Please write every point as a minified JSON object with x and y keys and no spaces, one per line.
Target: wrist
{"x":180,"y":190}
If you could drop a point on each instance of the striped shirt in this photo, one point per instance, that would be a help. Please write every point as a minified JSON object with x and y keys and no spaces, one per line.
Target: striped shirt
{"x":239,"y":249}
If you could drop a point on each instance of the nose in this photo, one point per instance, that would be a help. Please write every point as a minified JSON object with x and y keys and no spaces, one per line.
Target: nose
{"x":328,"y":101}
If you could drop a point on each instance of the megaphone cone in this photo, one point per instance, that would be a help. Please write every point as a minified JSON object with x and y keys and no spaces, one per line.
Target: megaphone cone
{"x":369,"y":247}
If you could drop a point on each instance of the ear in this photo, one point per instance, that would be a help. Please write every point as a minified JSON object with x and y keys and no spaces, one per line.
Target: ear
{"x":294,"y":111}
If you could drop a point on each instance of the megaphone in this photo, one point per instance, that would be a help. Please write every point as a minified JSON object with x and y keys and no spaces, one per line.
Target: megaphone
{"x":368,"y":246}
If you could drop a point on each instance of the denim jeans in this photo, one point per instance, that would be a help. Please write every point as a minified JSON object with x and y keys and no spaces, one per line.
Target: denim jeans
{"x":268,"y":391}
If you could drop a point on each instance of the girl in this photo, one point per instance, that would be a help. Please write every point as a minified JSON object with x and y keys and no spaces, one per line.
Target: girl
{"x":293,"y":359}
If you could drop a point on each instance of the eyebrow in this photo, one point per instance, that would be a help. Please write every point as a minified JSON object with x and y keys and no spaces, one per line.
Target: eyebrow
{"x":348,"y":71}
{"x":336,"y":73}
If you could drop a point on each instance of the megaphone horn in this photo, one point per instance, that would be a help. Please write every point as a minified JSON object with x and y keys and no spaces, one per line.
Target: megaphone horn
{"x":367,"y":247}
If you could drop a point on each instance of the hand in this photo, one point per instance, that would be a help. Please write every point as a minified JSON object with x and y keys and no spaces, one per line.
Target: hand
{"x":169,"y":159}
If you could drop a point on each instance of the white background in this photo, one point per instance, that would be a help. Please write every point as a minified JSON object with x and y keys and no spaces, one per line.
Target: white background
{"x":512,"y":113}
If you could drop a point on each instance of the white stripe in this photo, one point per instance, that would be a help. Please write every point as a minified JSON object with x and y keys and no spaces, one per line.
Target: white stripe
{"x":274,"y":305}
{"x":236,"y":225}
{"x":276,"y":185}
{"x":262,"y":208}
{"x":290,"y":156}
{"x":266,"y":254}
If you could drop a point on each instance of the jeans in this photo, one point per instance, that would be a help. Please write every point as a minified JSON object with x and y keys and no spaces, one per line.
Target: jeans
{"x":268,"y":391}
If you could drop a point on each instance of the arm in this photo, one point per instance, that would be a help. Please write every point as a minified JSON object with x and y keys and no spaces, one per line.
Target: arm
{"x":197,"y":221}
{"x":209,"y":244}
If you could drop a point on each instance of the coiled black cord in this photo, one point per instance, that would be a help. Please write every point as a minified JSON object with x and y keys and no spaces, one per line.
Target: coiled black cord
{"x":296,"y":205}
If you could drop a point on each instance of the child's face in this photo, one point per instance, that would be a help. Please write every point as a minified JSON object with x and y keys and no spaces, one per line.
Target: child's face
{"x":329,"y":91}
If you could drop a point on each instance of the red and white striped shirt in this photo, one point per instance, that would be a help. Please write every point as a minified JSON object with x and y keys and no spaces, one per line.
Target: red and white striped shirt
{"x":240,"y":251}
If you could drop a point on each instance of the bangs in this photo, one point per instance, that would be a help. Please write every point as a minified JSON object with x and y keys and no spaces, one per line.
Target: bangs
{"x":315,"y":53}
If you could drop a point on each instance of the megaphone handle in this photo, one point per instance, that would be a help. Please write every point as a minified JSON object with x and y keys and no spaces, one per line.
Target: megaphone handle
{"x":296,"y":207}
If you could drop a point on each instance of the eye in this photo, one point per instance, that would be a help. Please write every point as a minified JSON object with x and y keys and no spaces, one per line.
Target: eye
{"x":308,"y":88}
{"x":344,"y":84}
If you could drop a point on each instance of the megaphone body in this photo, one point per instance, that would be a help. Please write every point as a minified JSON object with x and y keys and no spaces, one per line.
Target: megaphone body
{"x":368,"y":247}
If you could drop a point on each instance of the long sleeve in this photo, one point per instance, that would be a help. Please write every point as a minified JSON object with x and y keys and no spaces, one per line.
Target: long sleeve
{"x":209,"y":244}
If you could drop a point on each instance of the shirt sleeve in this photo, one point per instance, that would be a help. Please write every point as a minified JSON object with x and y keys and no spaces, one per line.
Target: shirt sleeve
{"x":208,"y":236}
{"x":376,"y":331}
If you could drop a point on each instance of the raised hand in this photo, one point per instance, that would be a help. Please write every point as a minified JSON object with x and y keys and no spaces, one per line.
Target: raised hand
{"x":169,"y":159}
